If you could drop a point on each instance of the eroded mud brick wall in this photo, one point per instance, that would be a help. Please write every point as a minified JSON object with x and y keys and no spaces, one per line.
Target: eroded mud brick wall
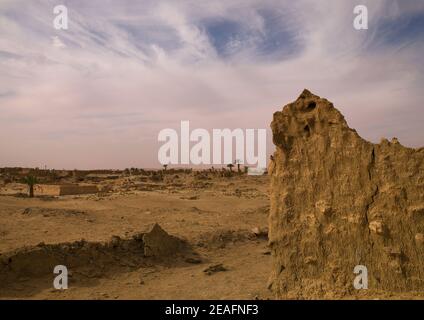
{"x":46,"y":190}
{"x":77,"y":189}
{"x":338,"y":201}
{"x":63,"y":190}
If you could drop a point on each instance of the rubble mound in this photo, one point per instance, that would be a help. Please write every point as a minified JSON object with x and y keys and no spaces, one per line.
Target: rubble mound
{"x":157,"y":242}
{"x":90,"y":259}
{"x":338,"y":201}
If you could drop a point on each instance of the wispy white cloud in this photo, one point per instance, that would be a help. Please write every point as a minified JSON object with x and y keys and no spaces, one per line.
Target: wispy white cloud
{"x":96,"y":95}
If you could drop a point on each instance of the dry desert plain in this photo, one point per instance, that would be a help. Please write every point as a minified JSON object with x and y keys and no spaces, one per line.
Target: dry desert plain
{"x":221,"y":222}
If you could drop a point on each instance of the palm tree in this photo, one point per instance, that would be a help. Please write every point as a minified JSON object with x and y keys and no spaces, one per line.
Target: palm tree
{"x":164,"y":167}
{"x":31,"y":181}
{"x":230,"y":166}
{"x":238,"y":162}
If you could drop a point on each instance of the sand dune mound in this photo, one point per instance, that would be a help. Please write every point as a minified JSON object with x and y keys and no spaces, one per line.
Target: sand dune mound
{"x":338,"y":201}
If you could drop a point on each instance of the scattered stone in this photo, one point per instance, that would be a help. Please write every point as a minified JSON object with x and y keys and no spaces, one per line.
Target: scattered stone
{"x":196,"y":210}
{"x":115,"y":241}
{"x":193,"y":260}
{"x":214,"y":269}
{"x":260,"y":232}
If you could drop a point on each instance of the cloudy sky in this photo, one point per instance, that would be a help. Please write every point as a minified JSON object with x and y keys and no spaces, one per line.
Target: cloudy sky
{"x":97,"y":95}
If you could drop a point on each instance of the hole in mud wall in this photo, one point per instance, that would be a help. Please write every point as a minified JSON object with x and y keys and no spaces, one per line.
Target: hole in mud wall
{"x":307,"y":130}
{"x":311,"y":106}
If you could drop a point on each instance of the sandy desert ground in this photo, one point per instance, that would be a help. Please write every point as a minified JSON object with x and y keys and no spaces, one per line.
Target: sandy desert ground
{"x":222,"y":220}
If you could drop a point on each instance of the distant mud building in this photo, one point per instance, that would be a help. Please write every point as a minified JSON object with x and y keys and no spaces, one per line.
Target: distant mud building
{"x":63,"y":189}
